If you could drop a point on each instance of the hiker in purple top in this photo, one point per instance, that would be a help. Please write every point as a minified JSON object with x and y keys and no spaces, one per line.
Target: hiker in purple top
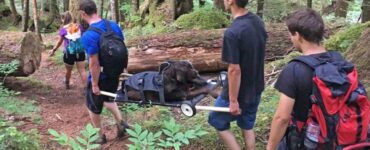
{"x":73,"y":51}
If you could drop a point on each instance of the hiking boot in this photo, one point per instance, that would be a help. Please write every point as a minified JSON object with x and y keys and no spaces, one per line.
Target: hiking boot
{"x":101,"y":140}
{"x":66,"y":84}
{"x":121,"y":129}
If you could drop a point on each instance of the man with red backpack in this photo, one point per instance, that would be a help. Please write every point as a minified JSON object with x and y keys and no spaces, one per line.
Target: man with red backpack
{"x":322,"y":103}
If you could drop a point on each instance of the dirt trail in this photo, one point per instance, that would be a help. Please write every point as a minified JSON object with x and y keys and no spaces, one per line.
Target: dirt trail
{"x":63,"y":110}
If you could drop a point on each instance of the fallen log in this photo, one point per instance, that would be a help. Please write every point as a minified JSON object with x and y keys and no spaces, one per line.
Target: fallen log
{"x":26,"y":48}
{"x":201,"y":47}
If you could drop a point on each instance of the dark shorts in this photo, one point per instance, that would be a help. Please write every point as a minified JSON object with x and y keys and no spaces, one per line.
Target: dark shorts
{"x":94,"y":102}
{"x":70,"y":59}
{"x":221,"y":120}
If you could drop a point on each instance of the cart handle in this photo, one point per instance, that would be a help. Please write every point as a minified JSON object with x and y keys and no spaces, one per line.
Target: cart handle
{"x":212,"y":108}
{"x":127,"y":74}
{"x":207,"y":108}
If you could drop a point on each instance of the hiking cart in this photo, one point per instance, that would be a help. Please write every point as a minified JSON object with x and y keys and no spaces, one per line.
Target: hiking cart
{"x":188,"y":107}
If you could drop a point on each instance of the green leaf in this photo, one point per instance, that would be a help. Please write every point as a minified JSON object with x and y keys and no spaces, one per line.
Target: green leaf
{"x":93,"y":138}
{"x":85,"y":133}
{"x":158,"y":134}
{"x":138,"y":129}
{"x":134,"y":140}
{"x":143,"y":135}
{"x":53,"y":133}
{"x":74,"y":145}
{"x":93,"y":146}
{"x":179,"y":136}
{"x":201,"y":133}
{"x":82,"y":141}
{"x":131,"y":147}
{"x":132,"y":133}
{"x":150,"y":136}
{"x":168,"y":133}
{"x":185,"y":141}
{"x":89,"y":127}
{"x":177,"y":146}
{"x":64,"y":137}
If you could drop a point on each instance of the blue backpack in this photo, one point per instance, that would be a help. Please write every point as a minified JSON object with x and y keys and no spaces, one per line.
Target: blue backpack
{"x":73,"y":36}
{"x":75,"y":47}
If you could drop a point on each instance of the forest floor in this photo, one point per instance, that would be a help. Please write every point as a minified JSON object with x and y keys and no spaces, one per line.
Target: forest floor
{"x":62,"y":110}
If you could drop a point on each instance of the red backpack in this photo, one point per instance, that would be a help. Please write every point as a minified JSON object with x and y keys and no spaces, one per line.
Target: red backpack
{"x":340,"y":111}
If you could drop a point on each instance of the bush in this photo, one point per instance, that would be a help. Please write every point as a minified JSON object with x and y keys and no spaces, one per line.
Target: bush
{"x":203,"y":18}
{"x":172,"y":138}
{"x":342,"y":40}
{"x":90,"y":134}
{"x":11,"y":138}
{"x":6,"y":69}
{"x":279,"y":64}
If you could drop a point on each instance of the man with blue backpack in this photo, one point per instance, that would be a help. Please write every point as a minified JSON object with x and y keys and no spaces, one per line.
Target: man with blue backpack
{"x":108,"y":57}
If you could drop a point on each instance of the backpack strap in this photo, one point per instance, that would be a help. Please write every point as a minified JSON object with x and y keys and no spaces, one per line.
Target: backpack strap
{"x":160,"y":81}
{"x":96,"y":30}
{"x":336,"y":56}
{"x":313,"y":62}
{"x":141,"y":88}
{"x":108,"y":26}
{"x":308,"y":60}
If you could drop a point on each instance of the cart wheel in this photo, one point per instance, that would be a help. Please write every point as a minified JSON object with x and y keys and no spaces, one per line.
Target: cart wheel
{"x":188,"y":109}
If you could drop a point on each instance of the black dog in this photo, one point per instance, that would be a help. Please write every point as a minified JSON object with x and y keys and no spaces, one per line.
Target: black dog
{"x":180,"y":80}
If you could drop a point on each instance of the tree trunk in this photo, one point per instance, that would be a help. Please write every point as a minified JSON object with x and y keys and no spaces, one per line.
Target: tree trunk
{"x":26,"y":15}
{"x":260,"y":4}
{"x":54,"y":9}
{"x":309,"y":3}
{"x":73,"y":9}
{"x":16,"y":16}
{"x":22,"y":3}
{"x":107,"y":11}
{"x":36,"y":19}
{"x":65,"y":5}
{"x":202,"y":48}
{"x":204,"y":51}
{"x":182,"y":7}
{"x":173,"y":9}
{"x":120,"y":13}
{"x":323,"y":6}
{"x":135,"y":6}
{"x":28,"y":52}
{"x":365,"y":11}
{"x":341,"y":8}
{"x":101,"y":8}
{"x":45,"y":6}
{"x":219,"y":4}
{"x":114,"y":10}
{"x":202,"y":3}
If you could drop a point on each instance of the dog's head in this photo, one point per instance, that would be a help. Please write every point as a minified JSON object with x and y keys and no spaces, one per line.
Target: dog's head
{"x":182,"y":72}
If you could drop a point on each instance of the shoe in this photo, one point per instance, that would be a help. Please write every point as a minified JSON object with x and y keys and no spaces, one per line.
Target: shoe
{"x":121,"y":129}
{"x":101,"y":140}
{"x":66,"y":84}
